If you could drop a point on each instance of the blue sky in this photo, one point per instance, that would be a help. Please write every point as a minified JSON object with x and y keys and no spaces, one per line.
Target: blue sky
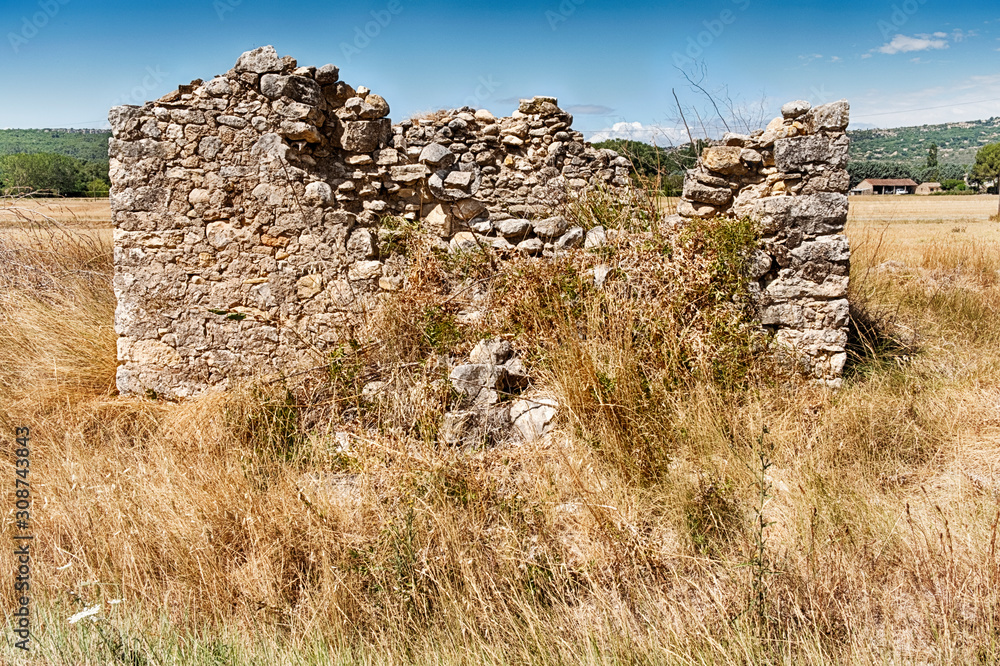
{"x":63,"y":63}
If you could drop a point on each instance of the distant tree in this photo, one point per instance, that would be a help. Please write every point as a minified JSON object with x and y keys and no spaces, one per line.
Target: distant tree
{"x":932,"y":155}
{"x":987,"y":167}
{"x":42,"y":171}
{"x":97,"y":188}
{"x":953,"y":184}
{"x":660,"y":167}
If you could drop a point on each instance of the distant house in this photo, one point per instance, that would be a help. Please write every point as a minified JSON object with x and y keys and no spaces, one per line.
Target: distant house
{"x":928,"y":188}
{"x":885,"y":186}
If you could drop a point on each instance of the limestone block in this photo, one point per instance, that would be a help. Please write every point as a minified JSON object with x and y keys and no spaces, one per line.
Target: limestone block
{"x":468,"y":209}
{"x":364,"y":270}
{"x":463,"y":241}
{"x":815,"y":215}
{"x":797,"y":154}
{"x":572,"y":238}
{"x":408,"y":173}
{"x":360,"y":245}
{"x":298,"y":88}
{"x":832,"y":117}
{"x":436,"y":156}
{"x":319,"y":193}
{"x":513,"y":227}
{"x":363,"y":136}
{"x":792,"y":110}
{"x":533,"y":419}
{"x":259,"y":61}
{"x":699,"y":192}
{"x":723,"y":159}
{"x":550,"y":227}
{"x":327,"y":75}
{"x":308,"y":286}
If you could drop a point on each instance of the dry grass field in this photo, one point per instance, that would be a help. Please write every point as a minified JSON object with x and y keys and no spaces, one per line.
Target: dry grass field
{"x":672,"y":517}
{"x":77,"y":213}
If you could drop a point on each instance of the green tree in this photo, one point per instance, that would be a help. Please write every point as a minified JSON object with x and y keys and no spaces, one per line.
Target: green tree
{"x":42,"y":171}
{"x":932,"y":155}
{"x":987,"y":167}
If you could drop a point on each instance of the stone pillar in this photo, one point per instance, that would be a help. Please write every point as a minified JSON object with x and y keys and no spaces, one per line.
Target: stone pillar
{"x":791,"y":178}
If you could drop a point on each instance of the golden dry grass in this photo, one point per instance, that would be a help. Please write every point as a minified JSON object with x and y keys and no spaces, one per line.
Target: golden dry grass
{"x":81,"y":213}
{"x":786,"y":525}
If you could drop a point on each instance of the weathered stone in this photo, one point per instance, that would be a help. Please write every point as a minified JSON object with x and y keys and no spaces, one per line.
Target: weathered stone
{"x":723,"y":159}
{"x":572,"y":238}
{"x":259,"y":61}
{"x":319,"y":193}
{"x":513,"y":228}
{"x":439,"y":221}
{"x":309,"y":285}
{"x":408,"y":173}
{"x":468,"y":209}
{"x":299,"y":131}
{"x":494,"y":351}
{"x":832,"y":117}
{"x":531,"y":246}
{"x":697,"y":191}
{"x":799,"y":153}
{"x":550,"y":227}
{"x":539,"y":105}
{"x":437,"y":156}
{"x":363,"y":136}
{"x":298,"y":88}
{"x":464,"y":241}
{"x":360,"y":245}
{"x":533,"y":419}
{"x":596,"y":237}
{"x":792,"y":110}
{"x":364,"y":270}
{"x":327,"y":74}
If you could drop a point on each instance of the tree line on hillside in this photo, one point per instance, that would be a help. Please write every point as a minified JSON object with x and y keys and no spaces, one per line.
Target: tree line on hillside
{"x":87,"y":147}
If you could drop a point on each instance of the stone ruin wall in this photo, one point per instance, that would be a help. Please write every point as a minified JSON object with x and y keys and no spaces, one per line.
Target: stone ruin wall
{"x":247,"y":210}
{"x":792,"y":178}
{"x":247,"y":214}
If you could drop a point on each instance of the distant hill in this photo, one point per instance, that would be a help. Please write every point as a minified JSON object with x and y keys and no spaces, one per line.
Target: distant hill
{"x":86,"y":145}
{"x":957,"y":142}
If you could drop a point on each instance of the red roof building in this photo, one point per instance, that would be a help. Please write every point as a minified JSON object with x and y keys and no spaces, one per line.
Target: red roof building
{"x":885,"y":186}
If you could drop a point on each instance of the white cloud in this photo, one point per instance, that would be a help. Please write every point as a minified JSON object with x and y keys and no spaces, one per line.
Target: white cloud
{"x":834,"y":58}
{"x":659,"y":135}
{"x":589,"y":109}
{"x":904,"y":44}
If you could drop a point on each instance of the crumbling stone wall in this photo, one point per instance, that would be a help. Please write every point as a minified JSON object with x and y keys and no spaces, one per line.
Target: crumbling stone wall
{"x":792,"y":178}
{"x":246,"y":211}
